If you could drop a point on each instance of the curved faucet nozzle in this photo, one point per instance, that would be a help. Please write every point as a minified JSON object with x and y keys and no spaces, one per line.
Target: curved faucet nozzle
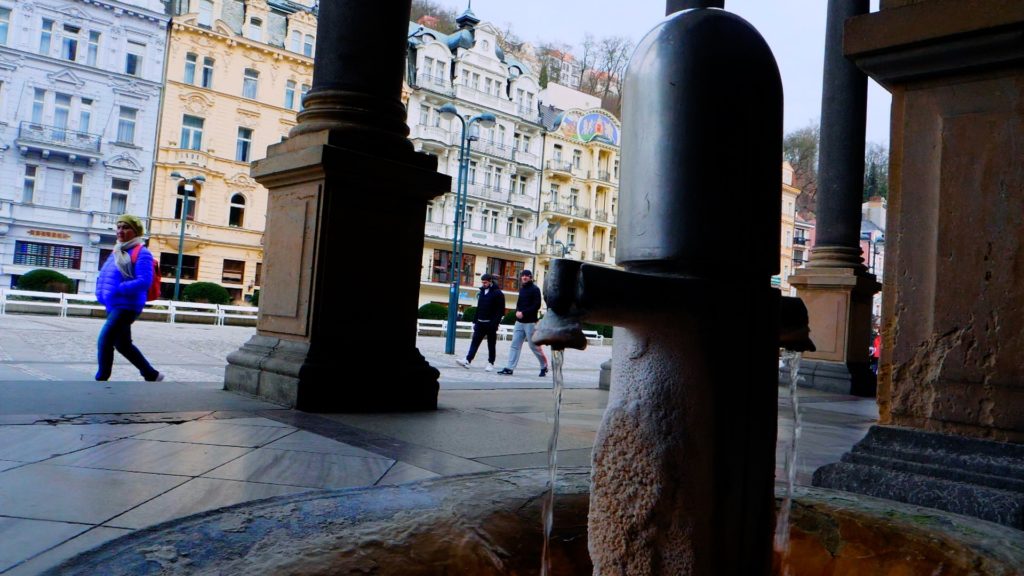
{"x":559,"y":332}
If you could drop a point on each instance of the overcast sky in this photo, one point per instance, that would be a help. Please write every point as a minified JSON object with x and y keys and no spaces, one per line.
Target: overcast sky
{"x":795,"y":30}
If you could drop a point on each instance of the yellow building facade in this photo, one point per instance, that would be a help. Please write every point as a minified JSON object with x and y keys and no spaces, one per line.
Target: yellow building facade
{"x":236,"y":73}
{"x":580,"y":188}
{"x":791,"y":242}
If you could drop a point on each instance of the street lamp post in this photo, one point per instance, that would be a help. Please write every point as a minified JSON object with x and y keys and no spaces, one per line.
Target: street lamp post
{"x":486,"y":120}
{"x":565,"y":249}
{"x":188,"y":187}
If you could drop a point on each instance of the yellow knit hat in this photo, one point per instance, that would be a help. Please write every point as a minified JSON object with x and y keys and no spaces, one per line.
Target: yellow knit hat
{"x":134,"y":221}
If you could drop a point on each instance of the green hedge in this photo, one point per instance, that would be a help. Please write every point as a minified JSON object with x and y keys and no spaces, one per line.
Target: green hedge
{"x":469,"y":314}
{"x":207,"y":292}
{"x":45,"y":280}
{"x":433,"y":311}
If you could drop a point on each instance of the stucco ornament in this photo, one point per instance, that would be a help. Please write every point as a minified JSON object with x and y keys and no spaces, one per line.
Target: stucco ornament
{"x":196,"y":102}
{"x":241,"y":180}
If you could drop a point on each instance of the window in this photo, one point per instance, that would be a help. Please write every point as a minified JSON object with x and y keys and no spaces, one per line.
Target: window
{"x":45,"y":35}
{"x":244,"y":144}
{"x":28,"y":189}
{"x":489,"y":221}
{"x":289,"y":94}
{"x":472,"y":172}
{"x":77,"y":180}
{"x":501,"y":135}
{"x":169,"y":265}
{"x":133,"y":58}
{"x":192,"y":200}
{"x":307,"y":46}
{"x":205,"y":13}
{"x":522,"y":185}
{"x":577,"y":158}
{"x":616,"y":170}
{"x":440,"y":272}
{"x":259,"y":274}
{"x":558,"y":153}
{"x":555,"y":189}
{"x":61,"y":112}
{"x":191,"y":132}
{"x":69,"y":44}
{"x":190,"y":68}
{"x":255,"y":29}
{"x":38,"y":101}
{"x":505,"y":273}
{"x":47,"y":255}
{"x":295,"y":41}
{"x":207,"y":79}
{"x":126,"y":125}
{"x":84,"y":114}
{"x":302,"y":96}
{"x":574,"y":197}
{"x":234,"y":271}
{"x":250,"y":83}
{"x":424,"y":115}
{"x":570,"y":236}
{"x":5,"y":24}
{"x":488,"y":85}
{"x":119,"y":195}
{"x":92,"y":56}
{"x":236,"y":216}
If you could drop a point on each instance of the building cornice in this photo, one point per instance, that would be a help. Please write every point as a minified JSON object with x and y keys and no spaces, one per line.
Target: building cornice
{"x":222,"y":33}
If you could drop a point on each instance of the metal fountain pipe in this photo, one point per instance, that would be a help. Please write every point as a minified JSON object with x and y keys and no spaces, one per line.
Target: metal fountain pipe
{"x":684,"y":461}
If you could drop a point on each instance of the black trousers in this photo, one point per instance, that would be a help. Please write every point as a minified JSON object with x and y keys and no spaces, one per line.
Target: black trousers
{"x":480,"y":331}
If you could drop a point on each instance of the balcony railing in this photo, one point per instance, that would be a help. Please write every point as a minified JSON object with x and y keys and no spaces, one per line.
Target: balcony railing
{"x":600,"y":215}
{"x":58,"y":137}
{"x":604,"y":176}
{"x":597,"y":256}
{"x":494,"y":149}
{"x":527,"y":158}
{"x":432,"y":133}
{"x":435,"y":83}
{"x":190,"y":157}
{"x":800,"y":240}
{"x":566,"y":209}
{"x":559,"y":166}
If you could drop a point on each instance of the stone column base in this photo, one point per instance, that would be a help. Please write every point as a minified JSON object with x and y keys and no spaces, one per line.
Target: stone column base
{"x":284,"y":372}
{"x":836,"y":377}
{"x":604,"y":378}
{"x":978,"y":478}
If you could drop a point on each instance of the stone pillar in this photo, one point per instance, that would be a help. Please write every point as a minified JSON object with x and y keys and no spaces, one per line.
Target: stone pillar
{"x":835,"y":285}
{"x":951,"y":379}
{"x":341,"y":284}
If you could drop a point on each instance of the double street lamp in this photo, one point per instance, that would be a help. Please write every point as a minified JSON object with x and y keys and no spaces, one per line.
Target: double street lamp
{"x":487,"y":120}
{"x":188,"y":188}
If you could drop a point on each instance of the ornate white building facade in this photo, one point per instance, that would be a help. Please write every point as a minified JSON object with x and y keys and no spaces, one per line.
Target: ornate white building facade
{"x":80,"y":91}
{"x":468,"y":69}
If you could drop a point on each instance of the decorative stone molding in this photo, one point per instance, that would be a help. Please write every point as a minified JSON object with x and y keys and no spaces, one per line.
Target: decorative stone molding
{"x":123,"y":161}
{"x":196,"y":102}
{"x":66,"y":76}
{"x":241,"y":180}
{"x":134,"y":89}
{"x":248,"y":118}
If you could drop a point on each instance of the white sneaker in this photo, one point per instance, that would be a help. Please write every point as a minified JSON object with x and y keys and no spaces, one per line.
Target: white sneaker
{"x":462,"y":362}
{"x":489,"y":367}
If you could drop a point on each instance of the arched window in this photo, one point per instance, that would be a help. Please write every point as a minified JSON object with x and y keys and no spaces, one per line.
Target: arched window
{"x":192,"y":190}
{"x":236,"y":217}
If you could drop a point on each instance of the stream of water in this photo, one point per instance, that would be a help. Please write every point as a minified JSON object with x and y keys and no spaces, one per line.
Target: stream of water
{"x":549,"y":498}
{"x":781,"y":544}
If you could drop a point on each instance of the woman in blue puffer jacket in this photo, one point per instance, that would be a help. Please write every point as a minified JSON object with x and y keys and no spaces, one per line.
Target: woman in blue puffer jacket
{"x":122,"y":287}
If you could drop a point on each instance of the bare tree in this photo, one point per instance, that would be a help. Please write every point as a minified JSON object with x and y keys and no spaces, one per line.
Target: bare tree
{"x":588,"y":59}
{"x":432,"y":15}
{"x":800,"y":149}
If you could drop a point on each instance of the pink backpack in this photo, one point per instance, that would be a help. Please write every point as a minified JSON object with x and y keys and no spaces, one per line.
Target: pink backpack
{"x":154,"y":286}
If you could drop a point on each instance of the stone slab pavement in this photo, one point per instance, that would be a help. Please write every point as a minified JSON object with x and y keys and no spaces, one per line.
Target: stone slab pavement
{"x":82,"y":462}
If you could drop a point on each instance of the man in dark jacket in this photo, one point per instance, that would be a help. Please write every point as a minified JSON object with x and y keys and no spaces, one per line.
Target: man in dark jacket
{"x":526,"y":320}
{"x":490,"y":308}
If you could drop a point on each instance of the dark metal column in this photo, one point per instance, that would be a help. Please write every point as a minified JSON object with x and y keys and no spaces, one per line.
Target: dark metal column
{"x":841,"y":149}
{"x":673,"y":6}
{"x":350,"y":90}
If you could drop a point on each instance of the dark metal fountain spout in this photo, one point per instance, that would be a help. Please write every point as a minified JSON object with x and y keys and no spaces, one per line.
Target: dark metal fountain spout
{"x":684,"y":461}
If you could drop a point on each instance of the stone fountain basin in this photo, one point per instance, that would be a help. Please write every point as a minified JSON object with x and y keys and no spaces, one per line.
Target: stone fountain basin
{"x":489,"y":524}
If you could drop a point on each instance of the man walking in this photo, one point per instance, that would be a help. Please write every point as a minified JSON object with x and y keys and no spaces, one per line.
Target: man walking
{"x":490,"y":308}
{"x":526,"y":320}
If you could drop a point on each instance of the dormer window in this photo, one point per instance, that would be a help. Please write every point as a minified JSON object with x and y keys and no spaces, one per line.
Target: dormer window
{"x":256,"y":29}
{"x":485,"y":44}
